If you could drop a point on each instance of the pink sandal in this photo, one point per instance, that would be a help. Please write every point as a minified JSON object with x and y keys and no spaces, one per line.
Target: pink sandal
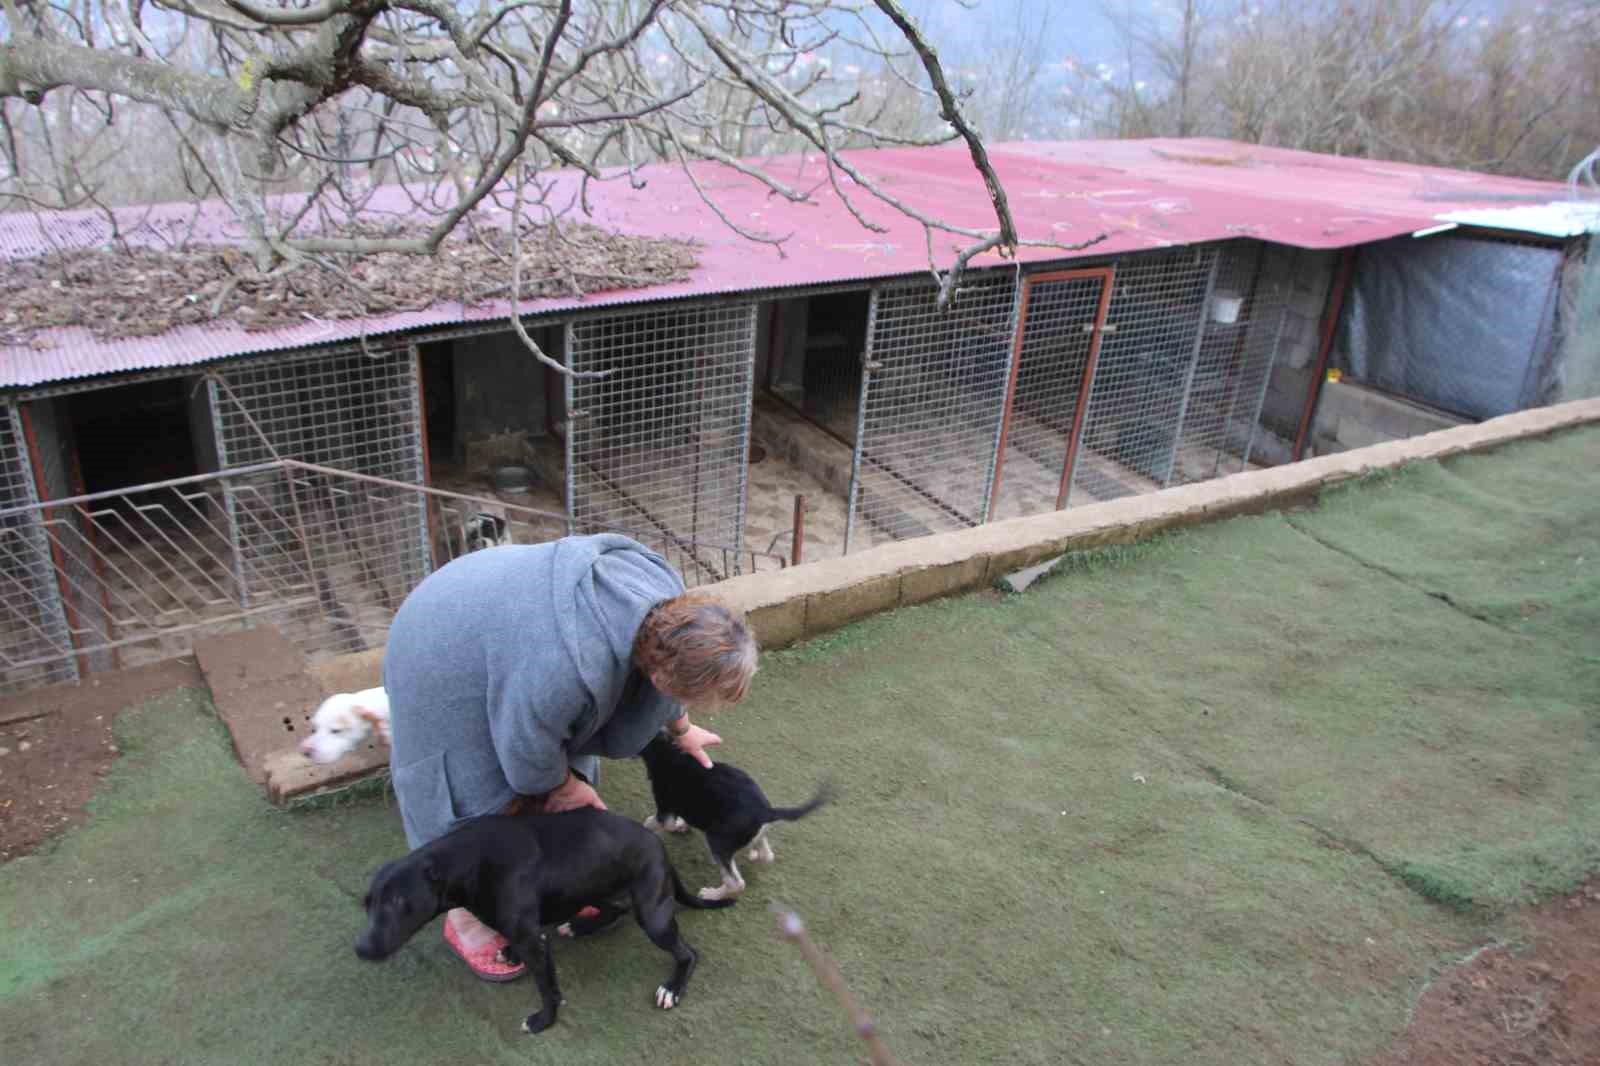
{"x":485,"y":962}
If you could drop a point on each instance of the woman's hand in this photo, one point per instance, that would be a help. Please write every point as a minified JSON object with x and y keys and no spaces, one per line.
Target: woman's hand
{"x":573,"y":793}
{"x":694,"y":741}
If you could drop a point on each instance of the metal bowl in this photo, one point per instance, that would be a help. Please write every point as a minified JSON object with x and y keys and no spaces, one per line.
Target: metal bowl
{"x":512,"y":479}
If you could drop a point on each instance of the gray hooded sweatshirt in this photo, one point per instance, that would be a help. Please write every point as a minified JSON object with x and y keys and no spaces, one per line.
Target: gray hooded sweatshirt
{"x":510,"y":665}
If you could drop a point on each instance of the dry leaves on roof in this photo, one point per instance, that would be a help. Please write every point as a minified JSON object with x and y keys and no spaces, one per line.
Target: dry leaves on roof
{"x":142,"y":292}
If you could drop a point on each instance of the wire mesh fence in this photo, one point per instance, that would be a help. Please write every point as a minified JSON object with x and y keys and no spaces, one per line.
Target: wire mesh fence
{"x":1092,"y":383}
{"x":353,"y":412}
{"x":933,"y":386}
{"x":33,"y":620}
{"x":1057,"y":345}
{"x":1218,"y":419}
{"x":163,"y":561}
{"x":1075,"y":385}
{"x":1146,"y":368}
{"x":661,"y":443}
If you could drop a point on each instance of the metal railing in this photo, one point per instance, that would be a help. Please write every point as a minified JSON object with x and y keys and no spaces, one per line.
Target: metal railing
{"x":325,"y":554}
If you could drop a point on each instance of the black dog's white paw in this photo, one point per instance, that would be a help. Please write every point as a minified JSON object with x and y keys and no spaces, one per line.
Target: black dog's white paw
{"x":673,"y":824}
{"x":666,"y":998}
{"x":538,"y":1023}
{"x":564,"y":929}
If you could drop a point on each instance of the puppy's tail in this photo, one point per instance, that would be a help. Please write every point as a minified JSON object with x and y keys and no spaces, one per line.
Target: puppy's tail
{"x":794,"y":814}
{"x":689,"y":899}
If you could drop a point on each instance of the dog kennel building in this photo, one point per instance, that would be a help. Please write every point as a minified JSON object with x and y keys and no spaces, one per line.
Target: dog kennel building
{"x":156,"y":488}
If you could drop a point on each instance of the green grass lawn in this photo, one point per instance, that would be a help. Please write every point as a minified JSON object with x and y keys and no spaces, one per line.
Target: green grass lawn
{"x":1231,"y":797}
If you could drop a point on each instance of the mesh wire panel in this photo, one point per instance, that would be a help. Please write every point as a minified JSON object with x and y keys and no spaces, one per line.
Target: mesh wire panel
{"x":349,"y":411}
{"x":1059,"y":315}
{"x":661,"y":444}
{"x":934,"y":387}
{"x":1219,"y":417}
{"x":346,"y":552}
{"x":1148,"y":357}
{"x":35,"y":645}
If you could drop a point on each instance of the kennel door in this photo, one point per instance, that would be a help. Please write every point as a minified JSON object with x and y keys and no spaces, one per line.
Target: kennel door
{"x":1061,"y":319}
{"x":1144,"y":373}
{"x":354,"y":546}
{"x":933,"y":386}
{"x":36,"y":645}
{"x":659,"y":447}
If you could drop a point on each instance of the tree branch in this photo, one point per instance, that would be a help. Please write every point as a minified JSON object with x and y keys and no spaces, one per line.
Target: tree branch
{"x":950,"y":111}
{"x":321,"y":11}
{"x":31,"y":69}
{"x":516,"y":297}
{"x":793,"y":930}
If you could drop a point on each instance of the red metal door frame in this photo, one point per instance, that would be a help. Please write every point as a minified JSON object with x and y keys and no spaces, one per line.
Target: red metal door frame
{"x":57,"y":556}
{"x":1106,"y":275}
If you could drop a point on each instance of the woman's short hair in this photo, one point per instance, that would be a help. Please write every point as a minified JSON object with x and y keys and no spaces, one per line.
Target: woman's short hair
{"x":699,"y":647}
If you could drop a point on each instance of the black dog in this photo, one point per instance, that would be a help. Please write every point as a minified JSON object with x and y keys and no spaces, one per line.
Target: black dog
{"x":724,"y":803}
{"x":517,"y":873}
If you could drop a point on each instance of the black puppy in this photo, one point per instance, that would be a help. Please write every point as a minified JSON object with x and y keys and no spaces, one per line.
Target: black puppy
{"x":517,"y":873}
{"x":724,"y":803}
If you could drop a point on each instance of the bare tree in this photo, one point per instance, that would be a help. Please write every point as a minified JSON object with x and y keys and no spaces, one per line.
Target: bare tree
{"x":295,"y":111}
{"x":1435,"y":81}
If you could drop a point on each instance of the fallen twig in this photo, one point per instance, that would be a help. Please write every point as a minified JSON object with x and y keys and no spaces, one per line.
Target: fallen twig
{"x":792,"y":929}
{"x":110,"y":294}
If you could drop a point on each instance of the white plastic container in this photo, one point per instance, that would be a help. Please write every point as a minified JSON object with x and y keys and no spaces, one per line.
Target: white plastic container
{"x":1225,"y":308}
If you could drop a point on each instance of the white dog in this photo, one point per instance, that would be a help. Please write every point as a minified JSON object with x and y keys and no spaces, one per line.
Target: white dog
{"x":345,"y":720}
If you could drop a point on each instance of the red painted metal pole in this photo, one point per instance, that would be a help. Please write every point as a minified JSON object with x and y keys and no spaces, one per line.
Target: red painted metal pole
{"x":1011,"y":398}
{"x":1080,"y":410}
{"x":1330,"y":320}
{"x":799,"y":538}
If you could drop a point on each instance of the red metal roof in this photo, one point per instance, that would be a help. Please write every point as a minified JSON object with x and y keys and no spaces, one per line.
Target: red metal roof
{"x":1140,"y":194}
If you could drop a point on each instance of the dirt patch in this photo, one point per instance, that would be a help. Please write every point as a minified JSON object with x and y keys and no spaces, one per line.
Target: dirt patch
{"x":1536,"y":1003}
{"x":56,"y":744}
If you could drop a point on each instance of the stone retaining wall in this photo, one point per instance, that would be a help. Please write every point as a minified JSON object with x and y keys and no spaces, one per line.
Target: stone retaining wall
{"x":791,"y":605}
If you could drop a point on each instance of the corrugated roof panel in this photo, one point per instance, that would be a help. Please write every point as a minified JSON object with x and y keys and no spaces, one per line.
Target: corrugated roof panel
{"x":1140,"y":194}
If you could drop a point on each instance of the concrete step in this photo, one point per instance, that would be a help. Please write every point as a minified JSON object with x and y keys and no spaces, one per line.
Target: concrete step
{"x":265,"y":692}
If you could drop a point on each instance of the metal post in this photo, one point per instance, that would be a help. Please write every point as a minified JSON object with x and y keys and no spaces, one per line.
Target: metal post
{"x":997,"y":457}
{"x":797,"y":541}
{"x":742,"y":503}
{"x":861,"y":423}
{"x":567,"y":342}
{"x":1330,"y":319}
{"x":424,"y":528}
{"x":1194,"y":363}
{"x":1266,"y":379}
{"x":699,"y":436}
{"x":1080,"y":411}
{"x":230,"y":505}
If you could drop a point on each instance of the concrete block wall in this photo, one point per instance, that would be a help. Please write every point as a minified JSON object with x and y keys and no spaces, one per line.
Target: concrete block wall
{"x":787,"y":606}
{"x":1351,"y":415}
